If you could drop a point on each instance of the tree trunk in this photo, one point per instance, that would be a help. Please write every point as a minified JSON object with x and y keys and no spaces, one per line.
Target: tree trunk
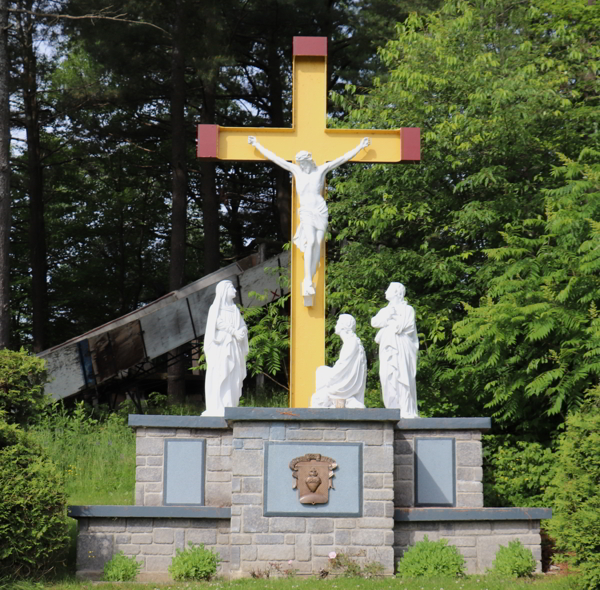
{"x":176,"y":371}
{"x":37,"y":231}
{"x":208,"y":190}
{"x":5,"y":219}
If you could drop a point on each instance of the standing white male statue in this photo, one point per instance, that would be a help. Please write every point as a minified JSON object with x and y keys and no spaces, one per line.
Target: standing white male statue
{"x":225,"y":348}
{"x":398,"y":347}
{"x":310,"y":183}
{"x":345,"y":381}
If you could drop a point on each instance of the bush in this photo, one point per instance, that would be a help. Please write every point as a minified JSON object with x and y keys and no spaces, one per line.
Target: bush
{"x":195,"y":563}
{"x":33,"y":521}
{"x":431,"y":558}
{"x":575,"y":492}
{"x":121,"y":568}
{"x":22,"y":379}
{"x":514,"y":560}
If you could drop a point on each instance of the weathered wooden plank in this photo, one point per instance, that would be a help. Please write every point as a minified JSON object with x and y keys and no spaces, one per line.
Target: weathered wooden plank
{"x":200,"y":302}
{"x":264,"y":280}
{"x":65,"y":371}
{"x":128,"y":345}
{"x":167,"y":329}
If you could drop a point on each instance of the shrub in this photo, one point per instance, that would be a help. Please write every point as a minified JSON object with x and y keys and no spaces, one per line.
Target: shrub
{"x":121,"y":568}
{"x":22,"y":379}
{"x":575,"y":493}
{"x":195,"y":563}
{"x":514,"y":560}
{"x":33,"y":521}
{"x":431,"y":558}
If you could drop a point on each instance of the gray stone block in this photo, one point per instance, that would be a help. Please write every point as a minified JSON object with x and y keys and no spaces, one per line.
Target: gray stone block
{"x":218,"y":463}
{"x":218,"y":476}
{"x":164,"y":535}
{"x":469,"y":473}
{"x":235,"y":524}
{"x":472,"y":487}
{"x":403,"y":493}
{"x":254,"y":430}
{"x":141,"y":538}
{"x":472,"y":528}
{"x":374,"y":509}
{"x":403,"y":447}
{"x":139,"y":525}
{"x":248,"y":552}
{"x":255,"y":522}
{"x":322,"y":540}
{"x":403,"y":472}
{"x":154,"y":461}
{"x":139,"y":494}
{"x":369,"y":437}
{"x":241,"y":539}
{"x":128,"y":549}
{"x":236,"y":484}
{"x":247,"y":463}
{"x":467,"y":552}
{"x":161,"y":432}
{"x":290,"y":539}
{"x":469,"y":500}
{"x":403,"y":459}
{"x":275,"y":552}
{"x":267,"y":539}
{"x":303,"y":548}
{"x":197,"y":536}
{"x":140,"y":461}
{"x":252,"y":485}
{"x":334,"y":435}
{"x":304,"y":434}
{"x":107,"y":525}
{"x":123,"y":539}
{"x":157,"y":549}
{"x":247,"y":499}
{"x":383,"y":555}
{"x":375,"y":523}
{"x":510,"y":527}
{"x":179,"y":539}
{"x":277,"y":432}
{"x":366,"y":537}
{"x":93,"y":551}
{"x":468,"y":453}
{"x":371,"y":480}
{"x":253,"y":444}
{"x":345,"y":523}
{"x":149,"y":446}
{"x":153,"y":488}
{"x":287,"y":524}
{"x":385,"y":494}
{"x":470,"y":541}
{"x":158,"y":563}
{"x":378,"y":459}
{"x":343,"y":537}
{"x":235,"y":558}
{"x":153,"y":499}
{"x":148,"y":474}
{"x":319,"y":525}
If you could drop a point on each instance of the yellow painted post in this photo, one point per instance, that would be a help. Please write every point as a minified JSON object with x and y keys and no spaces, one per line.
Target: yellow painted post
{"x":308,"y":132}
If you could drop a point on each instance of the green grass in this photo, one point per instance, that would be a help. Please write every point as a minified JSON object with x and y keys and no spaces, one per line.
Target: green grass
{"x":97,"y":459}
{"x":296,"y":583}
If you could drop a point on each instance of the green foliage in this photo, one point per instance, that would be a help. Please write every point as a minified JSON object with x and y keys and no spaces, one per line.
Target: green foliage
{"x":121,"y":568}
{"x":497,"y":99}
{"x":575,"y":491}
{"x":431,"y":558}
{"x":516,"y":472}
{"x":514,"y":560}
{"x":33,"y":521}
{"x":22,"y":379}
{"x":94,"y":452}
{"x":347,"y":567}
{"x":194,"y":563}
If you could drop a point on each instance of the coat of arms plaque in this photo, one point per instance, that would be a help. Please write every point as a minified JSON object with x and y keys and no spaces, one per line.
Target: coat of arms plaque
{"x":313,"y":475}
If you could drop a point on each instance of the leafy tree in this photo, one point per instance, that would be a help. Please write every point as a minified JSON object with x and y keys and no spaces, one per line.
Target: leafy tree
{"x":498,"y":100}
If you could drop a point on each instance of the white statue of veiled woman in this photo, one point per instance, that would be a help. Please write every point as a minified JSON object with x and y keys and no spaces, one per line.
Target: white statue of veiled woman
{"x":398,"y":347}
{"x":225,"y":348}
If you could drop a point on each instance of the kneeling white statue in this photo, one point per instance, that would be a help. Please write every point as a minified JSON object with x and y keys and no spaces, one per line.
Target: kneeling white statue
{"x":225,"y":348}
{"x":346,"y":380}
{"x":398,"y":347}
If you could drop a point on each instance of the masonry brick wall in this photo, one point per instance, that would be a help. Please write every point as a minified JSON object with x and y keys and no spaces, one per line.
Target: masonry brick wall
{"x":307,"y":541}
{"x":150,"y":452}
{"x":469,"y":471}
{"x":477,"y":541}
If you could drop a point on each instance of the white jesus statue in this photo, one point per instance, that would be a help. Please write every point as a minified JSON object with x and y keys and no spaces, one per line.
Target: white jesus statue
{"x":310,"y":184}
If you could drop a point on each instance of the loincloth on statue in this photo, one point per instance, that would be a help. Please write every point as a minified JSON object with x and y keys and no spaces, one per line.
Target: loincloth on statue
{"x":317,"y":217}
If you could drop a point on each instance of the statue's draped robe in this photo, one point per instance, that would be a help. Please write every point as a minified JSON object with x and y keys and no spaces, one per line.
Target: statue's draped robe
{"x":346,"y":379}
{"x":398,"y":347}
{"x":225,"y":357}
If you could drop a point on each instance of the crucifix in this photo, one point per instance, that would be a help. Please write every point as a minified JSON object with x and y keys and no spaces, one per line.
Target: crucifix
{"x":328,"y":148}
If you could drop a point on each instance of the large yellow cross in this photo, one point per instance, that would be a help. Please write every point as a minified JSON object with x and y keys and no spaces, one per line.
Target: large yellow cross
{"x":308,"y":132}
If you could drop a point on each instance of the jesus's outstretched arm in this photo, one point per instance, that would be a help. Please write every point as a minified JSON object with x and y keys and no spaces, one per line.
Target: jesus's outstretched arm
{"x":328,"y":166}
{"x":271,"y":156}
